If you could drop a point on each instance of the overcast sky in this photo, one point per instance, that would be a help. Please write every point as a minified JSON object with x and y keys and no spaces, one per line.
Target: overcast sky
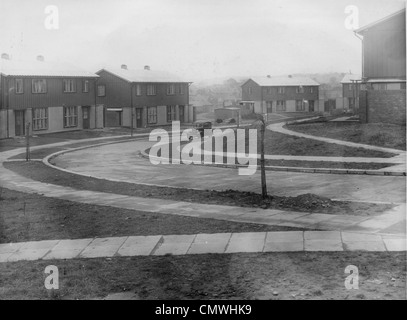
{"x":196,"y":39}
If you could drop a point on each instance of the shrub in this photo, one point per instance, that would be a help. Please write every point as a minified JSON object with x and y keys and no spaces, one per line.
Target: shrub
{"x":219,"y":120}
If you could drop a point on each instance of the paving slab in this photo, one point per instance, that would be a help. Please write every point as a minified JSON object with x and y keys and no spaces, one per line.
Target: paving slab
{"x":246,"y":242}
{"x":103,"y":247}
{"x":39,"y":245}
{"x":364,"y":245}
{"x":10,"y":247}
{"x":210,"y":243}
{"x":29,"y":255}
{"x":68,"y":249}
{"x":174,"y":244}
{"x":323,"y":245}
{"x":361,"y":237}
{"x":395,"y":244}
{"x":284,"y":246}
{"x":4,"y":256}
{"x":139,"y":245}
{"x":323,"y":235}
{"x":285,"y":236}
{"x":313,"y":218}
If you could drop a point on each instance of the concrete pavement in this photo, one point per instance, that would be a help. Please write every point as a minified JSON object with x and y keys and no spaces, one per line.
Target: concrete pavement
{"x":221,"y":243}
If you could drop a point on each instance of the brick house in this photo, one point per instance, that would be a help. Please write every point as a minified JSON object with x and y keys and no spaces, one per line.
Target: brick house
{"x":383,"y":90}
{"x":149,"y":97}
{"x":280,"y":94}
{"x":51,"y":97}
{"x":350,"y":91}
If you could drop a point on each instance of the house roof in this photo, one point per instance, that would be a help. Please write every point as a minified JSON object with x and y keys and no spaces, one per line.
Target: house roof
{"x":349,"y":77}
{"x":373,"y":24}
{"x":42,"y":68}
{"x":143,"y":75}
{"x":284,"y":81}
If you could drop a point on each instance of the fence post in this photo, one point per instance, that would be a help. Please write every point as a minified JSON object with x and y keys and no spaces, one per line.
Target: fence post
{"x":27,"y":138}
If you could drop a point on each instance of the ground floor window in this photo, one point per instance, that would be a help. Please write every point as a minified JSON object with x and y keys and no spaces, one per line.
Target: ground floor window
{"x":152,"y":115}
{"x":299,"y":106}
{"x":171,"y":113}
{"x":311,"y":105}
{"x":269,"y":106}
{"x":280,"y":105}
{"x":40,"y":118}
{"x":70,"y":116}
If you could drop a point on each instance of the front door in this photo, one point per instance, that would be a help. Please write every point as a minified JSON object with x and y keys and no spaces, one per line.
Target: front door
{"x":181,"y":114}
{"x":139,"y":121}
{"x":19,"y":122}
{"x":85,"y":117}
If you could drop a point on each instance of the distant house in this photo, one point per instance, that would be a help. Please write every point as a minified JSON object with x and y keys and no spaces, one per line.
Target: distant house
{"x":350,"y":91}
{"x":149,"y":97}
{"x":51,"y":97}
{"x":383,"y":94}
{"x":280,"y":94}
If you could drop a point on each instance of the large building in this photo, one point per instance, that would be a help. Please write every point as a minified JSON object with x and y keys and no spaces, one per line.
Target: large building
{"x":383,"y":94}
{"x":280,"y":94}
{"x":50,"y":97}
{"x":350,"y":91}
{"x":149,"y":97}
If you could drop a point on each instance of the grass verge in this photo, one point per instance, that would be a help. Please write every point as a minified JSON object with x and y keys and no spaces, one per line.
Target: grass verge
{"x":265,"y":276}
{"x":304,"y":203}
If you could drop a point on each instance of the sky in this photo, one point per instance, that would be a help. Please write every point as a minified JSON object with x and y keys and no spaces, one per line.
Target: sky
{"x":195,"y":39}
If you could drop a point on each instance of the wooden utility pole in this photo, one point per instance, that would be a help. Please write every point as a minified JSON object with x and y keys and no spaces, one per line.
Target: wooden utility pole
{"x":262,"y":160}
{"x":27,"y":139}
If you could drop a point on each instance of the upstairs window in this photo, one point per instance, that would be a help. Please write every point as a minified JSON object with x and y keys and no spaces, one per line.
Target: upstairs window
{"x":39,"y":86}
{"x":171,"y":89}
{"x":19,"y":86}
{"x":181,"y":88}
{"x":101,"y":91}
{"x":249,"y":90}
{"x":300,"y":89}
{"x":151,"y":90}
{"x":281,"y":90}
{"x":85,"y":86}
{"x":69,"y":85}
{"x":138,"y":89}
{"x":311,"y":90}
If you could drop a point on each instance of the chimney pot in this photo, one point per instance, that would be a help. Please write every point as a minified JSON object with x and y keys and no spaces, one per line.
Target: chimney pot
{"x":290,"y":76}
{"x":124,"y":66}
{"x":146,"y":67}
{"x":268,"y":76}
{"x":5,"y":56}
{"x":40,"y":58}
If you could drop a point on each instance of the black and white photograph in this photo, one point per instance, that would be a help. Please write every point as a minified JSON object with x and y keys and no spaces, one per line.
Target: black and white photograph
{"x":202,"y":158}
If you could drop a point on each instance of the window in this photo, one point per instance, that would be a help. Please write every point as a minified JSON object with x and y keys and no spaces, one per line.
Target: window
{"x":311,"y":90}
{"x":170,"y":113}
{"x":151,"y":115}
{"x":101,"y":91}
{"x":281,"y":90}
{"x":280,"y":105}
{"x":300,"y":89}
{"x":170,"y":89}
{"x":39,"y":86}
{"x":70,"y":116}
{"x":269,"y":106}
{"x":69,"y":85}
{"x":299,"y":106}
{"x":138,"y":89}
{"x":19,"y":86}
{"x":85,"y":85}
{"x":350,"y":87}
{"x":311,"y":105}
{"x":151,"y":90}
{"x":40,"y":118}
{"x":181,"y":88}
{"x":351,"y":102}
{"x":250,"y":90}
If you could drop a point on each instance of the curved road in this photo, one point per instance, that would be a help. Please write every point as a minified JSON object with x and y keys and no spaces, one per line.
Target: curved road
{"x":122,"y":162}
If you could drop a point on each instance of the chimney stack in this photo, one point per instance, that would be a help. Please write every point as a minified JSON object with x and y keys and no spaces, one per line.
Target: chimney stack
{"x":290,"y":76}
{"x":124,"y":66}
{"x":146,"y":67}
{"x":5,"y":56}
{"x":268,"y":76}
{"x":40,"y":58}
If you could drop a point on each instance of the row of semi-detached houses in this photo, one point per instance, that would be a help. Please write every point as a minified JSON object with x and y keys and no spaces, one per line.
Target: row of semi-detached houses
{"x":54,"y":97}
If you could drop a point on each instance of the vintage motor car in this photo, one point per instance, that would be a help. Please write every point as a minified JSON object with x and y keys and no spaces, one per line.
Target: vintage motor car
{"x":200,"y":127}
